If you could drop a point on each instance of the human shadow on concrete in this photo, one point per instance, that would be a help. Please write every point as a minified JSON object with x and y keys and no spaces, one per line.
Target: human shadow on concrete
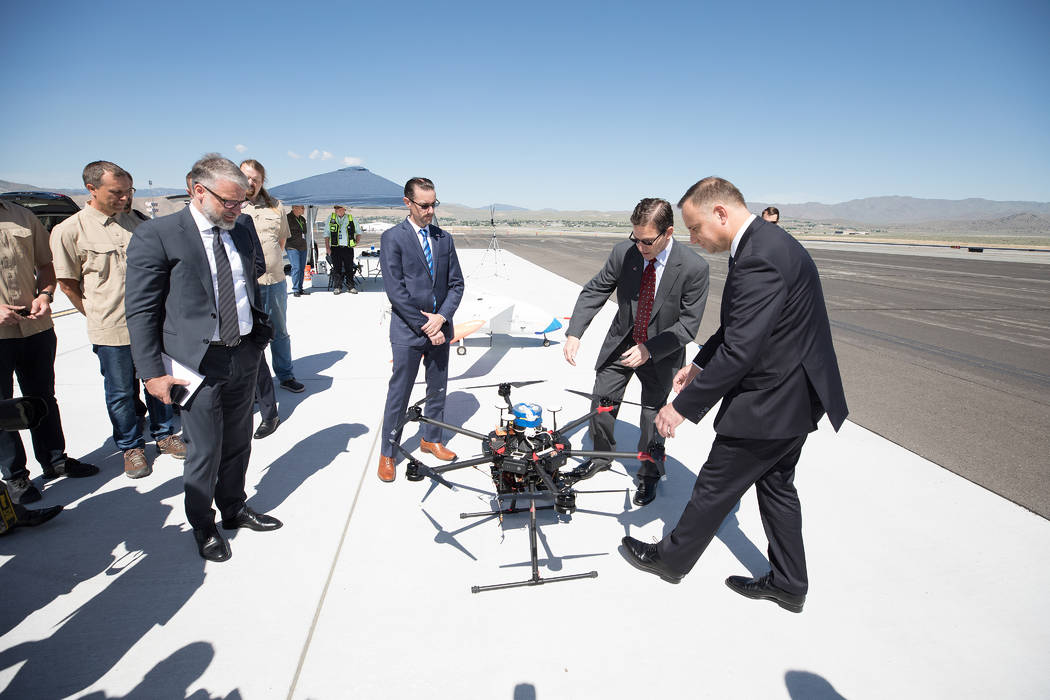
{"x":484,"y":364}
{"x":524,"y":691}
{"x":39,"y":556}
{"x":460,"y":407}
{"x":672,"y":497}
{"x":172,"y":677}
{"x":307,"y":370}
{"x":148,"y":585}
{"x":803,"y":685}
{"x":494,"y":354}
{"x":106,"y":457}
{"x":304,"y":459}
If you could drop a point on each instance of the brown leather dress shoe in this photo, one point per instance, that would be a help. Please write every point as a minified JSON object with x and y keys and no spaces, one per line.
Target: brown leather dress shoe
{"x":386,"y":469}
{"x":438,"y":450}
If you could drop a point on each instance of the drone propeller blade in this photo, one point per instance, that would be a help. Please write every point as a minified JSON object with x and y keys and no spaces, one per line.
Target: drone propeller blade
{"x":435,"y":477}
{"x":516,"y":385}
{"x":426,"y":398}
{"x":596,"y":396}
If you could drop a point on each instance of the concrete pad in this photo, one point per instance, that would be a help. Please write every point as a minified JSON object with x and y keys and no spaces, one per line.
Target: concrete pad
{"x":922,"y":584}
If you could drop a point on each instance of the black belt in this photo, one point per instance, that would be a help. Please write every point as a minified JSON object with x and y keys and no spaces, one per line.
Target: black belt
{"x":222,"y":344}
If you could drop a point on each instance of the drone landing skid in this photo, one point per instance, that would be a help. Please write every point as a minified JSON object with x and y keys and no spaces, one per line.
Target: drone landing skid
{"x":536,"y":579}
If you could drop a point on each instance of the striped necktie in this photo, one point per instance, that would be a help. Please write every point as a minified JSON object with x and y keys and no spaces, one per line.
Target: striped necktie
{"x":226,"y":303}
{"x":426,"y":251}
{"x":430,"y":260}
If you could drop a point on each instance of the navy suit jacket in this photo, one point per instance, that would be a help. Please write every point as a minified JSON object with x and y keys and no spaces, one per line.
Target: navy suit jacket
{"x":409,"y":285}
{"x":170,"y":299}
{"x":771,"y":361}
{"x":678,"y":305}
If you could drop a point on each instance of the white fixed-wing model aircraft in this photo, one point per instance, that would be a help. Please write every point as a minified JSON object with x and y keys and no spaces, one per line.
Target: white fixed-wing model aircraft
{"x":501,"y":315}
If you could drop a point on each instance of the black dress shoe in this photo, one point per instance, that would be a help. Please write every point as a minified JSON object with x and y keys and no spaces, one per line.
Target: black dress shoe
{"x":293,"y":386}
{"x":646,"y":491}
{"x":210,"y":544}
{"x":246,"y":517}
{"x":645,"y":557}
{"x":590,"y":468}
{"x":73,"y":468}
{"x":31,"y":517}
{"x":763,"y":588}
{"x":266,"y":428}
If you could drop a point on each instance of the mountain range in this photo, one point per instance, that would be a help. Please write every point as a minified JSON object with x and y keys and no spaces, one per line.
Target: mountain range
{"x":932,"y":214}
{"x":7,"y":186}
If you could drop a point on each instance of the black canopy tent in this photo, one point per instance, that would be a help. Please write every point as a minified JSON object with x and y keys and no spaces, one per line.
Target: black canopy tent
{"x":354,"y":186}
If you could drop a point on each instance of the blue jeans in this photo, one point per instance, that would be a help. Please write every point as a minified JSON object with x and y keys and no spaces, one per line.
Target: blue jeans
{"x":121,"y":386}
{"x":274,"y":299}
{"x":298,"y":260}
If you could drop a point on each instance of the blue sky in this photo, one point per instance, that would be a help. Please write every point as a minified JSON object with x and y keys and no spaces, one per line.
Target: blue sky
{"x":570,"y":105}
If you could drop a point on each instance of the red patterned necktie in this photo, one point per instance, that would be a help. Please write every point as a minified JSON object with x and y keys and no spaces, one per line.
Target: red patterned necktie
{"x":645,"y":304}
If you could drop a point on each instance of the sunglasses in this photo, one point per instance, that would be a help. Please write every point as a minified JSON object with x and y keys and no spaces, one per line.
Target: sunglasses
{"x":643,"y":241}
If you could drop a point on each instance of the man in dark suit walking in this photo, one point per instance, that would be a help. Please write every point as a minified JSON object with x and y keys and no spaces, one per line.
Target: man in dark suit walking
{"x":661,"y":290}
{"x":773,"y":365}
{"x":193,"y":294}
{"x":424,"y":284}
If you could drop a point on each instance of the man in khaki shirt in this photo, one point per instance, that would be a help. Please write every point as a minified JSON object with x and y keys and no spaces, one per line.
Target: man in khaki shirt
{"x":90,"y":253}
{"x":27,"y":348}
{"x":272,"y":227}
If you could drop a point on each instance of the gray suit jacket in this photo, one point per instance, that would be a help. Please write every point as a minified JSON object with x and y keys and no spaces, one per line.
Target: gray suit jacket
{"x":678,"y":305}
{"x":170,"y":300}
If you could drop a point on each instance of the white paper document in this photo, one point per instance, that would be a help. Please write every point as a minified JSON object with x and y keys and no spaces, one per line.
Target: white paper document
{"x":181,"y":371}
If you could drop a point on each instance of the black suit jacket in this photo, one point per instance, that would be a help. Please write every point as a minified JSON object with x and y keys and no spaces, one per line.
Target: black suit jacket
{"x":170,"y":300}
{"x":678,"y":305}
{"x":771,"y":361}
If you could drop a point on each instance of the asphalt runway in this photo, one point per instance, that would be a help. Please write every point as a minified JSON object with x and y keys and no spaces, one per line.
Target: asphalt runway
{"x":946,"y":356}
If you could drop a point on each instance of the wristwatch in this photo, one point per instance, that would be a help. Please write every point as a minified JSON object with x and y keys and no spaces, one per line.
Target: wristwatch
{"x":50,"y":296}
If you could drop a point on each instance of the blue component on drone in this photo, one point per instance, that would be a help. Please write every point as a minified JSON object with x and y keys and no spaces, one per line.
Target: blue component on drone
{"x":528,"y":415}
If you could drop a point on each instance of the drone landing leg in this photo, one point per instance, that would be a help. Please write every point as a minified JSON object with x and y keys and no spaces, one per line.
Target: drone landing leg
{"x":536,"y":579}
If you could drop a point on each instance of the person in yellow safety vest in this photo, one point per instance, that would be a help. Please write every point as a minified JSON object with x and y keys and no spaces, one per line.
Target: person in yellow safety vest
{"x":339,"y":245}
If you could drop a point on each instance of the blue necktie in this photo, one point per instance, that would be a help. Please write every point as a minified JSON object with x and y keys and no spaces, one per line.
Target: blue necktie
{"x":430,"y":258}
{"x":426,"y":251}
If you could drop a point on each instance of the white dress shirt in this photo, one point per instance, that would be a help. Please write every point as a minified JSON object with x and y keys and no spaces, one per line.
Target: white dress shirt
{"x":419,"y":239}
{"x":240,"y":287}
{"x":739,"y":235}
{"x":661,"y":263}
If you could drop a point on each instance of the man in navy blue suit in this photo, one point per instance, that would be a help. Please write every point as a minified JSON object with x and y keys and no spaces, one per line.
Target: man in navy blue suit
{"x":424,"y":283}
{"x":773,"y":366}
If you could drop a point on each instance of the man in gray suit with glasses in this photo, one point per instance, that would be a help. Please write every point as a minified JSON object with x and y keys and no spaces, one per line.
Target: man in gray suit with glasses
{"x":192,"y":294}
{"x":661,"y":290}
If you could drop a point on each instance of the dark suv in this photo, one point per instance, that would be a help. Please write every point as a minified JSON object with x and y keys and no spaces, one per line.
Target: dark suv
{"x":49,"y":207}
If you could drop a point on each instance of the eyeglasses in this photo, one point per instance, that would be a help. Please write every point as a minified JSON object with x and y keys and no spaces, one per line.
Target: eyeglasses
{"x":644,"y":242}
{"x":226,"y":203}
{"x":432,"y":205}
